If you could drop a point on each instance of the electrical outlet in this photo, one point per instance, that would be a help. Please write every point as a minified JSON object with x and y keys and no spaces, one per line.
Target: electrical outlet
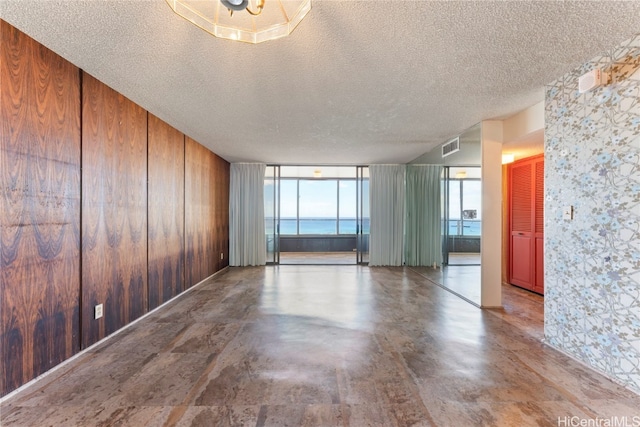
{"x":221,"y":255}
{"x":98,"y":311}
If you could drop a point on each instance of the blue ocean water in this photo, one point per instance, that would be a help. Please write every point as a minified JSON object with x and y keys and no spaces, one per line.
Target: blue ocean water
{"x":325,"y":226}
{"x":465,"y":228}
{"x":319,"y":226}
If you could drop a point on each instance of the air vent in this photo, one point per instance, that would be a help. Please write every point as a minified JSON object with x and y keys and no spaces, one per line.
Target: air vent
{"x":451,"y":147}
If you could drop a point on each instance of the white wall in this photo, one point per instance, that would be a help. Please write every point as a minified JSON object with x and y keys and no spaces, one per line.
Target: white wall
{"x":491,"y":244}
{"x":470,"y":153}
{"x":524,"y":123}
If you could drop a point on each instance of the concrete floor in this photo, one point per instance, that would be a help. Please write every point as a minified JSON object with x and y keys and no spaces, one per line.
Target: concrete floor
{"x":324,"y":346}
{"x":462,"y":280}
{"x":318,"y":258}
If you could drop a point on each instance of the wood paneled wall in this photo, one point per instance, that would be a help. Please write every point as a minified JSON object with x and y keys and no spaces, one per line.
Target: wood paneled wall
{"x":92,"y":210}
{"x":206,"y":212}
{"x":166,"y":212}
{"x":114,"y":210}
{"x":221,"y":203}
{"x":40,"y":208}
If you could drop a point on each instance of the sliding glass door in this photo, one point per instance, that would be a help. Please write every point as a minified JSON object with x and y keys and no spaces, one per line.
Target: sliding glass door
{"x":317,"y":215}
{"x":272,"y":213}
{"x":445,"y":215}
{"x":362,"y":214}
{"x":461,"y":215}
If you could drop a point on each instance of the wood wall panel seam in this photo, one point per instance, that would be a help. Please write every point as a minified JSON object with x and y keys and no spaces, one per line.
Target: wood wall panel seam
{"x":166,"y":212}
{"x":115,"y":210}
{"x":39,"y":159}
{"x":87,"y":205}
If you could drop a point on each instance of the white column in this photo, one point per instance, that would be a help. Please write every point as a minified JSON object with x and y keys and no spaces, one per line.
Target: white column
{"x":491,"y":243}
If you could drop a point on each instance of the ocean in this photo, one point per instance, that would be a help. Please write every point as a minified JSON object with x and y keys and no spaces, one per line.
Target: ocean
{"x":469,"y":227}
{"x":321,"y":226}
{"x":324,"y":226}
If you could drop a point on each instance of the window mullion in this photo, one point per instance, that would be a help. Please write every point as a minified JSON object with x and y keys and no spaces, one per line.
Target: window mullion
{"x":297,"y":207}
{"x":337,"y":206}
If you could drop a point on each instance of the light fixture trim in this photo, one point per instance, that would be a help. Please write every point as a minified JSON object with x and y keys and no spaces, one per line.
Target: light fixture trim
{"x":214,"y":17}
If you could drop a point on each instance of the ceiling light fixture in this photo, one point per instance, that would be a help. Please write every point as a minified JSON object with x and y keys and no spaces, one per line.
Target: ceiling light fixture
{"x":255,"y":21}
{"x":508,"y":158}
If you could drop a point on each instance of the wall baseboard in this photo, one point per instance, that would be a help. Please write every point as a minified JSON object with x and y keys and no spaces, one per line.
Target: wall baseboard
{"x":592,"y":368}
{"x":103,"y":340}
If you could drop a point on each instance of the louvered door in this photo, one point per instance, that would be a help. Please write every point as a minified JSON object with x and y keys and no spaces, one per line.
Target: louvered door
{"x":526,"y":219}
{"x":521,"y":231}
{"x":538,"y":281}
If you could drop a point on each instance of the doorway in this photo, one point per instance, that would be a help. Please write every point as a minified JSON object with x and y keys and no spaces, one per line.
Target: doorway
{"x":317,"y":215}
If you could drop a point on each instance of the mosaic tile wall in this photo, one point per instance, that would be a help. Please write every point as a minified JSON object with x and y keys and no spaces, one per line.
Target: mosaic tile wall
{"x":592,"y":263}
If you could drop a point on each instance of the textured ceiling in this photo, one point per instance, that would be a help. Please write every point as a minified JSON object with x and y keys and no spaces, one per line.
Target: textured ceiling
{"x":357,"y":82}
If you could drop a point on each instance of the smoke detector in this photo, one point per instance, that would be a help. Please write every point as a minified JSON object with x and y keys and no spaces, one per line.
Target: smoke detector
{"x":591,"y":80}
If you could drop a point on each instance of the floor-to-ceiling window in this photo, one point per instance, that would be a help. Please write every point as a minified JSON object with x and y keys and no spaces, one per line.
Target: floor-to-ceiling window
{"x":322,"y":214}
{"x":461,"y":206}
{"x":272,"y":212}
{"x":463,"y":215}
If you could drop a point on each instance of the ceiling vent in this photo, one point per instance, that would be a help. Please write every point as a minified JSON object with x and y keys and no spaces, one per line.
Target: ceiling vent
{"x":451,"y":147}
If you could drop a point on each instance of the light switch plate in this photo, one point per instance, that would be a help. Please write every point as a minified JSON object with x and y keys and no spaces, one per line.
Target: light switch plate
{"x":567,"y":212}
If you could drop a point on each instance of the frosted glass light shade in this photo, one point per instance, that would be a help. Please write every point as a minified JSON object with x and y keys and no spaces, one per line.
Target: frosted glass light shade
{"x":508,"y":158}
{"x":278,"y":18}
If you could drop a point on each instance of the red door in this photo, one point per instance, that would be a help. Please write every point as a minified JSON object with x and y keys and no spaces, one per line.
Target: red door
{"x":526,"y":219}
{"x":521,"y":247}
{"x":538,"y":283}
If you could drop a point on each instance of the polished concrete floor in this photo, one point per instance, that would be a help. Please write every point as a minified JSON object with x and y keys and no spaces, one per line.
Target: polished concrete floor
{"x":464,"y":258}
{"x":324,"y":346}
{"x":461,"y":276}
{"x":461,"y":280}
{"x":318,"y":258}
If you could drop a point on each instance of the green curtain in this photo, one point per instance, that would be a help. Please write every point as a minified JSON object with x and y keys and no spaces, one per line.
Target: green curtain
{"x":423,"y":241}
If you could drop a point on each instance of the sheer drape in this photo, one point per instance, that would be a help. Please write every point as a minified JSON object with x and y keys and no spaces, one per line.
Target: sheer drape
{"x":423,"y":230}
{"x":246,"y":215}
{"x":386,"y":198}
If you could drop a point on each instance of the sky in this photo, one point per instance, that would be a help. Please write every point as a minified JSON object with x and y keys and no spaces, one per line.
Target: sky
{"x":318,"y":198}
